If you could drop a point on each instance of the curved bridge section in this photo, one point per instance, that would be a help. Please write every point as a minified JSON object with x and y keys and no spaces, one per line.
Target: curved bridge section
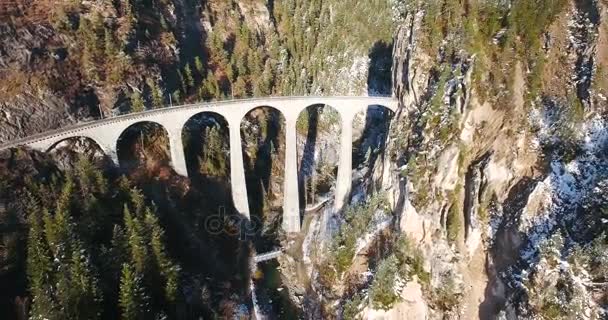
{"x":106,"y":133}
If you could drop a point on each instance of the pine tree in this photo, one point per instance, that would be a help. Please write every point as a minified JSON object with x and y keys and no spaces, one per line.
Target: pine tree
{"x":73,"y":288}
{"x":158,"y":100}
{"x":189,"y":79}
{"x":239,"y":88}
{"x":88,"y":63}
{"x":137,"y":103}
{"x":136,"y":240}
{"x":82,"y":298}
{"x":118,"y":68}
{"x":182,"y":81}
{"x":132,"y":300}
{"x":39,"y":271}
{"x":267,"y":78}
{"x":168,"y":270}
{"x":95,"y":179}
{"x":198,"y":64}
{"x":129,"y":22}
{"x":112,"y":258}
{"x":119,"y":245}
{"x":110,"y":45}
{"x":382,"y":293}
{"x":58,"y":228}
{"x":210,"y":87}
{"x":138,"y":202}
{"x":176,"y":97}
{"x":87,"y":31}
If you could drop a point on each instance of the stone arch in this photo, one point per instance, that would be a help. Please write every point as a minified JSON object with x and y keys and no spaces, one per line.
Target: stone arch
{"x":82,"y":138}
{"x":319,"y":128}
{"x":195,"y":134}
{"x":280,"y":109}
{"x":149,"y":145}
{"x":71,"y":148}
{"x":263,"y":130}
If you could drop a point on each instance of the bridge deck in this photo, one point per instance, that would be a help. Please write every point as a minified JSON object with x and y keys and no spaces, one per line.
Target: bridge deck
{"x":211,"y":106}
{"x":108,"y":132}
{"x":268,"y":256}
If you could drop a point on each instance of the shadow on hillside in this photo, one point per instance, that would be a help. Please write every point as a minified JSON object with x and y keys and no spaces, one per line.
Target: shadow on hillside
{"x":307,"y":164}
{"x":267,"y":130}
{"x":379,"y":76}
{"x":206,"y":232}
{"x":369,"y":149}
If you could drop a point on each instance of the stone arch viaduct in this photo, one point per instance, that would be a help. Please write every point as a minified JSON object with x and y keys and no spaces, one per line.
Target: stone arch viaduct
{"x":107,"y":132}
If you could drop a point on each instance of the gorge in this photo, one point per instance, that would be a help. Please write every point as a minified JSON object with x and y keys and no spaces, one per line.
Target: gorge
{"x":476,"y":191}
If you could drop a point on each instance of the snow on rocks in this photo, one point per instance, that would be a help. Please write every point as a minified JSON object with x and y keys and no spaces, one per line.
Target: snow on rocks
{"x":379,"y":222}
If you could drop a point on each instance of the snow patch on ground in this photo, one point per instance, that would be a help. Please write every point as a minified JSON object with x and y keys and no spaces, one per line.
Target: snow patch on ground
{"x":380,"y":221}
{"x":555,"y":200}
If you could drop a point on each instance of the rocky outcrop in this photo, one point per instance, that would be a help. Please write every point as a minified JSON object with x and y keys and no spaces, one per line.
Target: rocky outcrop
{"x":516,"y":178}
{"x":29,"y":114}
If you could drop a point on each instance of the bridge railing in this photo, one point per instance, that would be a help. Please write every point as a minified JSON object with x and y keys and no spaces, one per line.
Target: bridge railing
{"x":148,"y":113}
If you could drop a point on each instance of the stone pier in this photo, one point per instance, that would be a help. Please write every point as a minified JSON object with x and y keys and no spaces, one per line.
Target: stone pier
{"x":107,"y":132}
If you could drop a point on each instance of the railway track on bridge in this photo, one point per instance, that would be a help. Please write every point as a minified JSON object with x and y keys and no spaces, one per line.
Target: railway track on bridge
{"x":80,"y":127}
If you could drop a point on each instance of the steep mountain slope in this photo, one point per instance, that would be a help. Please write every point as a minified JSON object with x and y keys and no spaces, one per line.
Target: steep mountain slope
{"x":504,"y":158}
{"x":486,"y":198}
{"x":67,"y":61}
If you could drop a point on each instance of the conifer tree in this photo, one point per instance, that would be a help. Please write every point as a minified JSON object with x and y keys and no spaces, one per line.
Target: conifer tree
{"x":267,"y":78}
{"x":182,"y":81}
{"x":58,"y":228}
{"x":80,"y":298}
{"x":39,"y":271}
{"x":137,"y":199}
{"x":110,"y":45}
{"x":88,"y":63}
{"x":118,"y":68}
{"x":113,"y":257}
{"x":198,"y":64}
{"x":73,"y":292}
{"x":90,"y":50}
{"x":176,"y":97}
{"x":188,"y":76}
{"x":132,"y":300}
{"x":119,"y":244}
{"x":136,"y":238}
{"x":137,"y":103}
{"x":99,"y":184}
{"x":128,"y":22}
{"x":210,"y":87}
{"x":168,"y":271}
{"x":157,"y":94}
{"x":239,"y":88}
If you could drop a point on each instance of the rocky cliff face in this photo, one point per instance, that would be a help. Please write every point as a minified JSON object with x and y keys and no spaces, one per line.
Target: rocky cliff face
{"x":485,"y":199}
{"x":494,"y":169}
{"x":499,"y":186}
